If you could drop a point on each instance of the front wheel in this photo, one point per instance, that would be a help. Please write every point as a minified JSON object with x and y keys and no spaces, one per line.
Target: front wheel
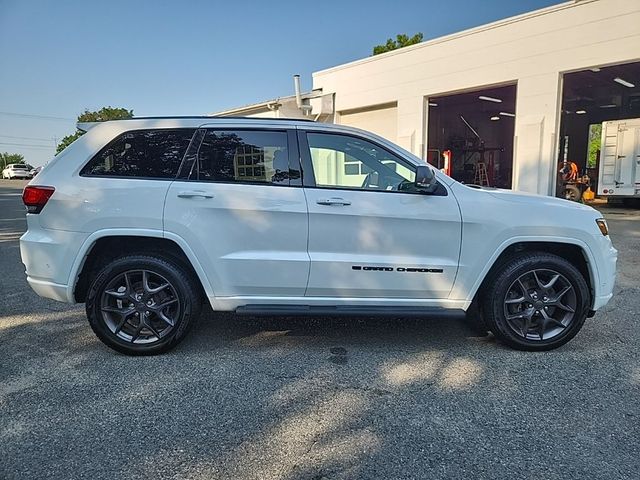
{"x":537,"y":301}
{"x":573,"y":193}
{"x":142,"y":305}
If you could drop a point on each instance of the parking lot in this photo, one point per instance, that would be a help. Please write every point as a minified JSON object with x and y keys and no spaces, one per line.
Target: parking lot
{"x":314,"y":398}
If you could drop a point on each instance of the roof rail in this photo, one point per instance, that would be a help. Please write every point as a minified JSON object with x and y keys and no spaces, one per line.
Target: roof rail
{"x":220,"y":117}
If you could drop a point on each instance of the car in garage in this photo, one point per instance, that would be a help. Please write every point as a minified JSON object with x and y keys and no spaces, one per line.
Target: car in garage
{"x":16,"y":170}
{"x":144,"y":220}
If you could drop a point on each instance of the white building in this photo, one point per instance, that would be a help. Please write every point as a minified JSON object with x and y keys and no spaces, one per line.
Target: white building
{"x":506,"y":94}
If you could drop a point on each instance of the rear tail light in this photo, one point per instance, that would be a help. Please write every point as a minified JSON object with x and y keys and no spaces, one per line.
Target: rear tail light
{"x":35,"y":198}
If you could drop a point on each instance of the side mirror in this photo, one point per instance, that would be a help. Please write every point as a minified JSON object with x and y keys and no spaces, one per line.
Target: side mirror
{"x":425,"y":179}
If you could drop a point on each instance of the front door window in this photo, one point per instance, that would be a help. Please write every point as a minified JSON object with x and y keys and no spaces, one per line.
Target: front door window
{"x":341,"y":161}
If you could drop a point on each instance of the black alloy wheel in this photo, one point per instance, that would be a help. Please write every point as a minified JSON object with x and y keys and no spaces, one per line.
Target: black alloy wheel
{"x":536,"y":301}
{"x":140,"y":306}
{"x":143,"y":305}
{"x":540,"y":304}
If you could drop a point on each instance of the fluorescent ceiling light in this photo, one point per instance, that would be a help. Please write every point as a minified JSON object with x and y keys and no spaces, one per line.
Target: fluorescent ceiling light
{"x":595,"y":69}
{"x":495,"y":118}
{"x":433,"y":104}
{"x":507,"y":114}
{"x":581,"y":112}
{"x":490,"y":99}
{"x":623,"y":82}
{"x":609,"y":105}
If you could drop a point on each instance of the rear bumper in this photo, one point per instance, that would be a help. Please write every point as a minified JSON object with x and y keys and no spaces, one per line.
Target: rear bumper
{"x":48,"y":257}
{"x":51,"y":290}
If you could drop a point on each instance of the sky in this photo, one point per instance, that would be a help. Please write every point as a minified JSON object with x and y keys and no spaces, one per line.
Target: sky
{"x":59,"y":58}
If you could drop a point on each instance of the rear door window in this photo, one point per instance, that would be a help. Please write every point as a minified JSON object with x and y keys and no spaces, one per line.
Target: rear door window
{"x":142,"y":154}
{"x":243,"y":156}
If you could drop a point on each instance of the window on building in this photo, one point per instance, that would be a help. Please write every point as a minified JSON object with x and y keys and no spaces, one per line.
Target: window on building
{"x":348,"y":162}
{"x":252,"y":156}
{"x":142,"y":153}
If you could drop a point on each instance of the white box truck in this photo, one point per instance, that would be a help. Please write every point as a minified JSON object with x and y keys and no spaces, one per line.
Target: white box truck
{"x":619,"y":171}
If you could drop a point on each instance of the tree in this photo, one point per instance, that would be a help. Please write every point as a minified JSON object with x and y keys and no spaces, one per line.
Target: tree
{"x":595,"y":133}
{"x":401,"y":41}
{"x":102,"y":115}
{"x":8,"y":158}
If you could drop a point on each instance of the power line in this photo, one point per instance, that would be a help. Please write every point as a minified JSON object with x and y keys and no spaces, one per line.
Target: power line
{"x":44,"y":117}
{"x":28,"y":138}
{"x":27,"y":145}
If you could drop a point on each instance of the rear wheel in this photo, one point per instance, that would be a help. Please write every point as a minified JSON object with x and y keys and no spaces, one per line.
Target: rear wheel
{"x":142,"y":305}
{"x":537,"y":301}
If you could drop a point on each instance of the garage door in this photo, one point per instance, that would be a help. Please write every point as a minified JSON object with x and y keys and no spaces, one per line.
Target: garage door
{"x":380,"y":120}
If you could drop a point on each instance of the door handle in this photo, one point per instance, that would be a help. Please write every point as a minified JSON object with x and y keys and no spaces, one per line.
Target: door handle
{"x":333,"y":201}
{"x":194,"y":193}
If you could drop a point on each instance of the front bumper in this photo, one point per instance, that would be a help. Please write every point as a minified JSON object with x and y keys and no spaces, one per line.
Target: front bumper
{"x":603,"y":291}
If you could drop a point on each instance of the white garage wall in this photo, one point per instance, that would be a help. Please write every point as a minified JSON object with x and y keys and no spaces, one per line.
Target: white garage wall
{"x":532,"y":49}
{"x":382,"y":120}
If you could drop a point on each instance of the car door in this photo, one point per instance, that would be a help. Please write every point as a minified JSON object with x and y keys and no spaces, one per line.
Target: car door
{"x":243,"y":211}
{"x":627,"y":155}
{"x":372,"y":234}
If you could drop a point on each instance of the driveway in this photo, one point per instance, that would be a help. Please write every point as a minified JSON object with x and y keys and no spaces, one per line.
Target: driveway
{"x":315,"y":398}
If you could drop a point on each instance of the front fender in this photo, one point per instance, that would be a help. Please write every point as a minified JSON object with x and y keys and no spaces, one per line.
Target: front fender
{"x":470,"y":277}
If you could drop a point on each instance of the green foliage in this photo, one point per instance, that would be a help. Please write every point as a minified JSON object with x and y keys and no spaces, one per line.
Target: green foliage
{"x":595,"y":134}
{"x":68,"y":140}
{"x":401,"y":40}
{"x":7,"y":158}
{"x":102,"y":115}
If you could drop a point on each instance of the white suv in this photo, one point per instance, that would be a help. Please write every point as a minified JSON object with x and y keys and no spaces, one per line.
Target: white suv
{"x":16,"y":170}
{"x":144,"y":219}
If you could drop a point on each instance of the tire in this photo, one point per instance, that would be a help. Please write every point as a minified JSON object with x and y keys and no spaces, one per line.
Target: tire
{"x":572,"y":192}
{"x":527,"y":309}
{"x":117,"y":301}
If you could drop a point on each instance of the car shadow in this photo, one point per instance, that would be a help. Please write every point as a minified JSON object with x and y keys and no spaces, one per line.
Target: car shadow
{"x":217,"y":328}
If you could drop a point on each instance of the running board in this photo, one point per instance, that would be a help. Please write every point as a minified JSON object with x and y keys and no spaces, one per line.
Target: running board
{"x":350,"y":311}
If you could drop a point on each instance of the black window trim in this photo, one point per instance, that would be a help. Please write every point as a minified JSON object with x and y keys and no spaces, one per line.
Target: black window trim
{"x":129,"y":177}
{"x":292,"y":149}
{"x":309,"y":178}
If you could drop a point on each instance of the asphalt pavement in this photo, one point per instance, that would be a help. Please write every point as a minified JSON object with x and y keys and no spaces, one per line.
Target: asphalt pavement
{"x":315,"y":398}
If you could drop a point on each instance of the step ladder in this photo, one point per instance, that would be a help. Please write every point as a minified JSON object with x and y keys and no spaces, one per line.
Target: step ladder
{"x":481,"y":177}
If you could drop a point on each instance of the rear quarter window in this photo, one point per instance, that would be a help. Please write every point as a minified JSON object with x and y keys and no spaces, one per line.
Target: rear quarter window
{"x":141,"y":154}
